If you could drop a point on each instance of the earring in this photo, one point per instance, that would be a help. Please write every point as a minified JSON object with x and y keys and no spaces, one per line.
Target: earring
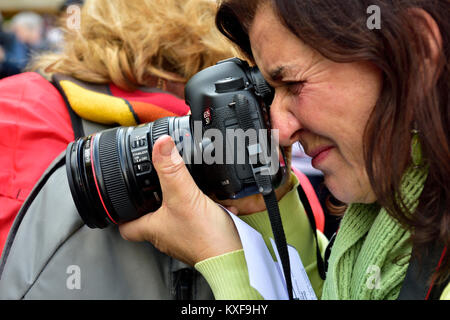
{"x":416,"y":149}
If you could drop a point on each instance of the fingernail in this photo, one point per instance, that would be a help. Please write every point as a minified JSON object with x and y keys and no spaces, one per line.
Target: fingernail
{"x":167,"y":148}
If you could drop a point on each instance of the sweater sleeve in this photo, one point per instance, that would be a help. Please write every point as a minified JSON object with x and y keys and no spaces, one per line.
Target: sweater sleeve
{"x":446,"y":293}
{"x":228,"y":277}
{"x":227,"y":274}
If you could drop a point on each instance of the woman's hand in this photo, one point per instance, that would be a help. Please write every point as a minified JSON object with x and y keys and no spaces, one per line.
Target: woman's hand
{"x":188,"y":226}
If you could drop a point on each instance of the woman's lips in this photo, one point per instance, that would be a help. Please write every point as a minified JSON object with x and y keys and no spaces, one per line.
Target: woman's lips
{"x":319,"y":154}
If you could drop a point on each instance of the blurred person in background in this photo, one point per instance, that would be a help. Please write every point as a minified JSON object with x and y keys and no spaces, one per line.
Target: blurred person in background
{"x":29,"y":29}
{"x":13,"y":53}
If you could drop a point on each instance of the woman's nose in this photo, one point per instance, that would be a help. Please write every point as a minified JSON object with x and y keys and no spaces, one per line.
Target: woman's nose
{"x":285,"y":122}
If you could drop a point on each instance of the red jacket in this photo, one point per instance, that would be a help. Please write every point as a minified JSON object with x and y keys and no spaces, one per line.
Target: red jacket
{"x":31,"y":109}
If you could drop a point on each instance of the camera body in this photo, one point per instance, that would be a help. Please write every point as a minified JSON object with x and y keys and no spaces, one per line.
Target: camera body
{"x":215,"y":96}
{"x":226,"y":143}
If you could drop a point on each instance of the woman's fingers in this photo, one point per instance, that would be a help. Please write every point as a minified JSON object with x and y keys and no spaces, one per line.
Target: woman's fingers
{"x":188,"y":226}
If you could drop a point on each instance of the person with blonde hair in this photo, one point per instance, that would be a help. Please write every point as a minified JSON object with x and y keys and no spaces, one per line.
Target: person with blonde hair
{"x":130,"y":43}
{"x":125,"y":63}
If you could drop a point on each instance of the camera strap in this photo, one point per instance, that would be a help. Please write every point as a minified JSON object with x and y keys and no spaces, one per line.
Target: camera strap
{"x":263,"y":181}
{"x":280,"y":238}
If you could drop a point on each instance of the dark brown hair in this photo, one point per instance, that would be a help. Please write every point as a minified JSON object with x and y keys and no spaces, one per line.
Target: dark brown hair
{"x":410,"y":100}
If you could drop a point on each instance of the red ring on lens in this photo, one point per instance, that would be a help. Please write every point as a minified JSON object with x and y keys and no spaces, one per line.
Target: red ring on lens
{"x":95,"y":180}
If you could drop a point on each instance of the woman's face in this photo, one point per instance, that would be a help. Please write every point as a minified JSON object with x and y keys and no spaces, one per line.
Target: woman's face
{"x":322,"y":104}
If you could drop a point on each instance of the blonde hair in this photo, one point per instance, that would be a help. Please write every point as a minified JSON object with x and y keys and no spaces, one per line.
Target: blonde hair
{"x":127,"y":42}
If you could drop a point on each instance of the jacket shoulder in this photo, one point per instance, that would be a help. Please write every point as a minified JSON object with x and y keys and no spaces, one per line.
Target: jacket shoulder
{"x":25,"y":80}
{"x":32,"y":95}
{"x":36,"y":127}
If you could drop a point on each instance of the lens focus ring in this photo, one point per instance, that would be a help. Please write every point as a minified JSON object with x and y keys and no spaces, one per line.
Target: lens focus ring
{"x":160,"y":127}
{"x":110,"y":168}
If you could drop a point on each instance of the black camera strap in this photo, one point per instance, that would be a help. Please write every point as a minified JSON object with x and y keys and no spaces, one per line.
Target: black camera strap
{"x":280,"y":238}
{"x":264,"y":184}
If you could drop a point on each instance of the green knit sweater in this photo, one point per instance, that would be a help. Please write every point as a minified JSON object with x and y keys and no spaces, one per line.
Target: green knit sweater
{"x":369,"y":258}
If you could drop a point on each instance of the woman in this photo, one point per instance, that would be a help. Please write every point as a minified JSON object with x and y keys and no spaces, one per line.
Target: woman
{"x":371,"y":108}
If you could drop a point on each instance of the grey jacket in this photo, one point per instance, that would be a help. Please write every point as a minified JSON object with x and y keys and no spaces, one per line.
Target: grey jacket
{"x":51,"y":254}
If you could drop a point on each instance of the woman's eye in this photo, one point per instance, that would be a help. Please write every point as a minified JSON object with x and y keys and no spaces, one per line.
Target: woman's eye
{"x":295,"y":87}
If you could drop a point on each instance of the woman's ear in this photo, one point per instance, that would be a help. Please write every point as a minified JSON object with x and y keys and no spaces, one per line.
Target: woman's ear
{"x":428,"y":29}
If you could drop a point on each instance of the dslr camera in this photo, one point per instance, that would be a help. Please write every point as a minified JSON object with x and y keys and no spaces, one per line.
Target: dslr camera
{"x":226,"y":143}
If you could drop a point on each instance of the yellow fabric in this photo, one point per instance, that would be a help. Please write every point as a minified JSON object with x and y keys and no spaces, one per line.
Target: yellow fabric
{"x":98,"y":107}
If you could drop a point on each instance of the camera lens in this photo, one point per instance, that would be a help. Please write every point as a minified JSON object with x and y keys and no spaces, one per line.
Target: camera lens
{"x":111,"y":174}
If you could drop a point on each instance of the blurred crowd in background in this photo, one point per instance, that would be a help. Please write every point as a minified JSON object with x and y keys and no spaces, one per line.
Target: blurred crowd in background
{"x":28,"y":33}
